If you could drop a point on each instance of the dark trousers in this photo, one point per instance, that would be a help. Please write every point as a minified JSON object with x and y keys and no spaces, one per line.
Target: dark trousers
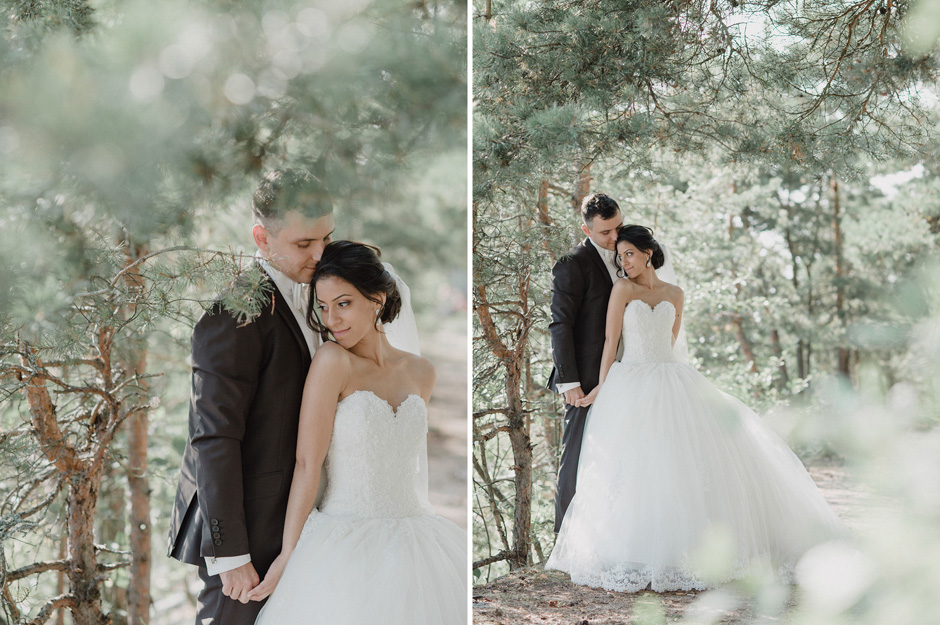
{"x":568,"y":467}
{"x":214,"y":608}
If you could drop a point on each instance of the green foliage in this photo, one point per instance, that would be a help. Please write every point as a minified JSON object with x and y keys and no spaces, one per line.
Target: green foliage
{"x":775,"y":147}
{"x":132,"y":136}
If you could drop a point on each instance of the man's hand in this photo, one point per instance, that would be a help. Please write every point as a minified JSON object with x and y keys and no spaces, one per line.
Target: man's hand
{"x":238,"y":582}
{"x":573,"y":395}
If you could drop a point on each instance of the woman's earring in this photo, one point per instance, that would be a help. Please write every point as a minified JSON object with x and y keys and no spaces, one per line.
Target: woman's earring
{"x":647,"y":262}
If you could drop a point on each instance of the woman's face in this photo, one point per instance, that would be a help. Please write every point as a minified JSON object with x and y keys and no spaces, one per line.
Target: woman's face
{"x":632,"y":260}
{"x":348,"y":314}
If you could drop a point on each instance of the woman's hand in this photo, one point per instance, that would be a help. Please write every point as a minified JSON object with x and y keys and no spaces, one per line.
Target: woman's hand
{"x":588,"y":399}
{"x":271,"y":578}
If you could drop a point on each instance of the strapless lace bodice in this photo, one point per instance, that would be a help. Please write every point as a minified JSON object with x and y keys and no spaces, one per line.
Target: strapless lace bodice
{"x":374,"y":552}
{"x":373,"y":460}
{"x":647,"y":332}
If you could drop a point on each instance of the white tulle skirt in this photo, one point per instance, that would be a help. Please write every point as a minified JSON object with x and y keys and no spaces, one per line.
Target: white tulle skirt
{"x":364,"y":571}
{"x":667,"y":462}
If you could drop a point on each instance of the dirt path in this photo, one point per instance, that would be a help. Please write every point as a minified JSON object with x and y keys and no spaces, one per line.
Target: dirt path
{"x":447,"y":421}
{"x":533,"y":595}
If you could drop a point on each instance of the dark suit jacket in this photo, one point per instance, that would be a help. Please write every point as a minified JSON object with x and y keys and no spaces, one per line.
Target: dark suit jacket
{"x":247,"y":384}
{"x":580,"y":291}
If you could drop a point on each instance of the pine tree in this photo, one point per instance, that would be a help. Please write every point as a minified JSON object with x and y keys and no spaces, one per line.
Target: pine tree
{"x":132,"y":137}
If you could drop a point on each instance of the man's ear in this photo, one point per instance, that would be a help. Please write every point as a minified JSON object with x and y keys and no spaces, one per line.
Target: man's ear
{"x":585,"y":230}
{"x":260,"y":234}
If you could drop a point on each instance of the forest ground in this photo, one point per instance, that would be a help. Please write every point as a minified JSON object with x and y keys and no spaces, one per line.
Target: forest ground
{"x":534,"y":595}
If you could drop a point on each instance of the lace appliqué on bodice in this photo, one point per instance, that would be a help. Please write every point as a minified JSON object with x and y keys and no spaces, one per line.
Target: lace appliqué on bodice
{"x":647,"y":332}
{"x":373,"y":458}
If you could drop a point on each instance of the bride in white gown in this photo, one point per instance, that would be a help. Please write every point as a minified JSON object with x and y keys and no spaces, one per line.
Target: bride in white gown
{"x":372,"y":550}
{"x":668,"y":459}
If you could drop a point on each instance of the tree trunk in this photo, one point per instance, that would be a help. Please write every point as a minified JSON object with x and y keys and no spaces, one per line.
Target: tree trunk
{"x":522,"y":466}
{"x":737,"y":319}
{"x":84,"y":583}
{"x":784,"y":376}
{"x":542,"y":204}
{"x":60,"y":580}
{"x":112,"y":526}
{"x":138,"y":592}
{"x":138,"y":605}
{"x":582,"y":188}
{"x":844,"y":354}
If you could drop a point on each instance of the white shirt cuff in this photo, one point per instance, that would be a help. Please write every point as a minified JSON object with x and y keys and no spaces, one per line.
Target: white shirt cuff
{"x":566,"y":386}
{"x":214,"y":566}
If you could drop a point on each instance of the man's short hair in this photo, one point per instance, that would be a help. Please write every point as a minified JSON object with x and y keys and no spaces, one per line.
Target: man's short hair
{"x":285,"y":190}
{"x":598,"y":205}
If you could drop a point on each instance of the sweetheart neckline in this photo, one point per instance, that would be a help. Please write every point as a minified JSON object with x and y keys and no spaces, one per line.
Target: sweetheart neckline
{"x":394,"y":410}
{"x":651,"y":307}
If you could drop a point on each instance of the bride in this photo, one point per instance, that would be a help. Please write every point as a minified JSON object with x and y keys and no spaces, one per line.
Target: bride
{"x":371,"y":551}
{"x":669,"y":460}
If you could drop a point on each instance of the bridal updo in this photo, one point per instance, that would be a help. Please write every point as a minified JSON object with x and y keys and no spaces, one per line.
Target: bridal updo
{"x":359,"y":265}
{"x":642,"y":239}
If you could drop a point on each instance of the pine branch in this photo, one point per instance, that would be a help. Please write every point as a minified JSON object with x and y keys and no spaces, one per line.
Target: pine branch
{"x":499,"y":557}
{"x":483,"y":413}
{"x":37,"y":568}
{"x":56,"y":603}
{"x":43,"y":412}
{"x":492,"y":433}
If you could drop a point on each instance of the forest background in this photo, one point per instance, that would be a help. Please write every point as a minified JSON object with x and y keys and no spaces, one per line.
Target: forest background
{"x":132,"y":135}
{"x":786,"y":152}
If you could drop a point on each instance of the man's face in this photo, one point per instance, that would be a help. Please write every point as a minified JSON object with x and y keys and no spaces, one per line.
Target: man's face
{"x":604,"y":231}
{"x":294,"y":247}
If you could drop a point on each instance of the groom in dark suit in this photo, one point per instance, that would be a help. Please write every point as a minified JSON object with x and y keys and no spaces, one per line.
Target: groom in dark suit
{"x":247,"y":384}
{"x":581,"y":284}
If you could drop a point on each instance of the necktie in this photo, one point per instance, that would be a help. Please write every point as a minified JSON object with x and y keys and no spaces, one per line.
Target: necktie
{"x":300,"y":294}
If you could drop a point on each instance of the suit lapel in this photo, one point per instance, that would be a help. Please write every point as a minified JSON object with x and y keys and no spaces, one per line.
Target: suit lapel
{"x":596,"y":257}
{"x":282,"y":308}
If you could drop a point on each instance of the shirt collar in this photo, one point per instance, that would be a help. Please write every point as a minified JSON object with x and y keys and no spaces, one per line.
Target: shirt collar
{"x":607,"y":255}
{"x":294,"y":292}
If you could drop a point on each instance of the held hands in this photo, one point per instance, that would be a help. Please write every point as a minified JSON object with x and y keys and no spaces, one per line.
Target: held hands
{"x":271,"y":578}
{"x":238,"y":582}
{"x":587,"y":400}
{"x":573,"y":395}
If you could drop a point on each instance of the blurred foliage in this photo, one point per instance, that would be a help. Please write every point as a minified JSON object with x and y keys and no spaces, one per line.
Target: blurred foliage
{"x":134,"y":130}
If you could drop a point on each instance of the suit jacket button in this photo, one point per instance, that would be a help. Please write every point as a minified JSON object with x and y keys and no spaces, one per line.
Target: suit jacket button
{"x":218,"y":542}
{"x":215,"y":521}
{"x":216,"y":535}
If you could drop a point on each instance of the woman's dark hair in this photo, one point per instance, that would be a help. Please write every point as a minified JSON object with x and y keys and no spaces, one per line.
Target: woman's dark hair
{"x":359,"y":265}
{"x":642,"y":239}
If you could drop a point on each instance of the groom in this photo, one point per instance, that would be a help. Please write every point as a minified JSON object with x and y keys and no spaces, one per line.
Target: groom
{"x":247,"y":383}
{"x":581,"y":284}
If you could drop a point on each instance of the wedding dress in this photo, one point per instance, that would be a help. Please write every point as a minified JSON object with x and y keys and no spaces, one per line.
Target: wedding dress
{"x":667,"y":460}
{"x":372,"y":551}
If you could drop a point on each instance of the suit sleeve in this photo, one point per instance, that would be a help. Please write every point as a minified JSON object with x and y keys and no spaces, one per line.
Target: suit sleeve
{"x":226,"y":363}
{"x":567,"y":292}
